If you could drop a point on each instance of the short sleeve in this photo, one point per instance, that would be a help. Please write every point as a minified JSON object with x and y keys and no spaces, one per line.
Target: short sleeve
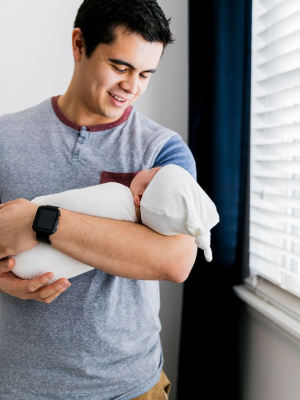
{"x":176,"y":151}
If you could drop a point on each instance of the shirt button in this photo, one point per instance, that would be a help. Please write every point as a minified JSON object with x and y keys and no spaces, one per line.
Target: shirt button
{"x":84,"y":128}
{"x":83,"y":134}
{"x":81,"y":141}
{"x":77,"y":151}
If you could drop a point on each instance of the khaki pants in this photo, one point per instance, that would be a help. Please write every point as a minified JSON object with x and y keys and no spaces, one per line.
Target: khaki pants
{"x":159,"y":392}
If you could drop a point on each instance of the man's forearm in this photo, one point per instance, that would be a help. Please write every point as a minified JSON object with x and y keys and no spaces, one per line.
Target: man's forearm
{"x":124,"y":249}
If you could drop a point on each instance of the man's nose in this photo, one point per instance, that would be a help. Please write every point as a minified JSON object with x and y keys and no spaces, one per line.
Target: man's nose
{"x":130,"y":84}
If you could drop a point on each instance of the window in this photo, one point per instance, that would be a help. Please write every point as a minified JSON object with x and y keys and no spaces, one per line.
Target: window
{"x":275,"y":143}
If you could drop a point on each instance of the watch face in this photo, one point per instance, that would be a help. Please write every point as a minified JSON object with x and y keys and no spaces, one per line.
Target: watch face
{"x":46,"y":219}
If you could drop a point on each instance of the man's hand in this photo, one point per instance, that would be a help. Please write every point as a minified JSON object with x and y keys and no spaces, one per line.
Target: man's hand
{"x":29,"y":289}
{"x":16,"y":233}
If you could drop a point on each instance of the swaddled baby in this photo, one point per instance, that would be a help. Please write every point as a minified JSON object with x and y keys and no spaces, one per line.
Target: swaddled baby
{"x":166,"y":199}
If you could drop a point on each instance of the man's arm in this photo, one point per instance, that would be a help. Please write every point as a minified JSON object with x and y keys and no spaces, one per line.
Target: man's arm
{"x":124,"y":249}
{"x":121,"y":248}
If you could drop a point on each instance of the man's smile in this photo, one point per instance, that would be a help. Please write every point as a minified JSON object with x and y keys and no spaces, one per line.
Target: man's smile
{"x":122,"y":99}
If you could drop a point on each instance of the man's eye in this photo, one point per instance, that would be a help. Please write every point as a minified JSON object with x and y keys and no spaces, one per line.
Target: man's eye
{"x":121,"y":71}
{"x":144,"y":76}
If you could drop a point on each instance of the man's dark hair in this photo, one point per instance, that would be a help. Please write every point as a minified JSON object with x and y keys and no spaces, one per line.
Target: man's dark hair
{"x":98,"y":19}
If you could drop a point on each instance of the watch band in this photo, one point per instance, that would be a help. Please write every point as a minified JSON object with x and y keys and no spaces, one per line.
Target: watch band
{"x":43,"y":237}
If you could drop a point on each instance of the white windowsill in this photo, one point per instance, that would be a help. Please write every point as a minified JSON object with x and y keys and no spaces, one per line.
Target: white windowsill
{"x":273,"y":305}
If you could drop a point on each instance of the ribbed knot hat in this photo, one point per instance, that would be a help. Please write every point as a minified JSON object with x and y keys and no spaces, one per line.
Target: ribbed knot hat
{"x":175,"y":203}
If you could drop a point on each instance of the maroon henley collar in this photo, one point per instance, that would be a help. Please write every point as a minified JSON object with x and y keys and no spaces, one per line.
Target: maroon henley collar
{"x":93,"y":128}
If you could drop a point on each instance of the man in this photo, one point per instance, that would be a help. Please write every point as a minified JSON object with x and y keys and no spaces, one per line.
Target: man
{"x":100,"y":339}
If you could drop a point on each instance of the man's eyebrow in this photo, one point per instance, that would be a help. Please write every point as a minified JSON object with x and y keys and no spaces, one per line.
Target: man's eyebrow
{"x":121,"y":62}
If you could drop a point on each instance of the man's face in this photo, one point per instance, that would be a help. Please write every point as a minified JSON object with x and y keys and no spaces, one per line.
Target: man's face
{"x":116,"y":74}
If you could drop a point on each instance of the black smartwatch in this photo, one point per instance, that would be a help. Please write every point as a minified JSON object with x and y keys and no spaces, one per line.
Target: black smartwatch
{"x":45,"y":222}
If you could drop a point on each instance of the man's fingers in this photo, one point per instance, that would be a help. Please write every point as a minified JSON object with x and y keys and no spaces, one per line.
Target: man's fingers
{"x":6,"y":265}
{"x":50,"y":292}
{"x":35,"y":283}
{"x":31,"y":289}
{"x":40,"y":290}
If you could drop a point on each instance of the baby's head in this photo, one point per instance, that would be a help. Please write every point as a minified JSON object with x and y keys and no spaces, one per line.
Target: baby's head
{"x":171,"y":202}
{"x":138,"y":186}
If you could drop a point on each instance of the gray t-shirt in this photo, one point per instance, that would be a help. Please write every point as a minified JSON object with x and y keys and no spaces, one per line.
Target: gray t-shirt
{"x":100,"y":340}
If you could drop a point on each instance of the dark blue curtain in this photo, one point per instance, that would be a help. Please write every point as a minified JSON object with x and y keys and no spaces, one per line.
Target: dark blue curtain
{"x":219,"y":119}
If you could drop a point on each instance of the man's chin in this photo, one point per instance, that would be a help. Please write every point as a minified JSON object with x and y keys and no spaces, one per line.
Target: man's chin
{"x":114,"y":115}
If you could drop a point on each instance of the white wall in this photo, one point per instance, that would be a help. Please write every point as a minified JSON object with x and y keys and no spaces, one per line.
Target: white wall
{"x":37,"y":63}
{"x":269,"y":359}
{"x":36,"y":56}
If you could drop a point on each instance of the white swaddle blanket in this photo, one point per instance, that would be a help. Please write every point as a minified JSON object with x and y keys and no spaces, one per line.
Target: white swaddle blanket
{"x":108,"y":200}
{"x":173,"y":203}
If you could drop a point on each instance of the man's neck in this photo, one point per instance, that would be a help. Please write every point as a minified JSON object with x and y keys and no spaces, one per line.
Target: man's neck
{"x":77,"y":112}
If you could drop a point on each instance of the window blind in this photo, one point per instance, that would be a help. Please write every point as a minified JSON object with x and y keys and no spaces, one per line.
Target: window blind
{"x":275,"y":143}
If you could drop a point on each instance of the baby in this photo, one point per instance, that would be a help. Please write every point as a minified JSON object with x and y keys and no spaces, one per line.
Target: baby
{"x":166,"y":199}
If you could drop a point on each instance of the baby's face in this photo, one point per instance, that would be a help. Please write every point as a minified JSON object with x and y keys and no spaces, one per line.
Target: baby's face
{"x":139,"y":184}
{"x":142,"y":180}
